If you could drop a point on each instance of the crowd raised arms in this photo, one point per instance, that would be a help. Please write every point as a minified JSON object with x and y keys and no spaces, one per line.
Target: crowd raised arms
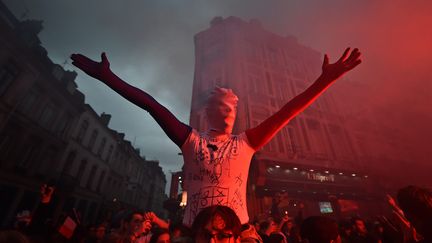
{"x":409,"y":220}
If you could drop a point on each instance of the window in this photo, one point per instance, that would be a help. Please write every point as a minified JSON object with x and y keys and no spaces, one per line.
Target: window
{"x":46,"y":162}
{"x":26,"y":106}
{"x":101,"y":179}
{"x":8,"y":73}
{"x":273,"y":55}
{"x":62,"y":124}
{"x":305,"y":135}
{"x":83,"y":129}
{"x":5,"y":144}
{"x":93,"y":139}
{"x":269,"y":83}
{"x":81,"y":168}
{"x":91,"y":177}
{"x":110,"y":150}
{"x":47,"y":117}
{"x":69,"y":162}
{"x":29,"y":153}
{"x":101,"y":147}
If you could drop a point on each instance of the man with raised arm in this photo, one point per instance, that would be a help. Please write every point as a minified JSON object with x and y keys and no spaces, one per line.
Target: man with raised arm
{"x":216,"y":162}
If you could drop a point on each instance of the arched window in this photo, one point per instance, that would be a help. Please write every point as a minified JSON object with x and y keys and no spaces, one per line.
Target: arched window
{"x":101,"y":179}
{"x":81,"y":168}
{"x":69,"y":162}
{"x":101,"y":147}
{"x":83,"y":129}
{"x":92,"y":139}
{"x":110,"y":150}
{"x":91,"y":177}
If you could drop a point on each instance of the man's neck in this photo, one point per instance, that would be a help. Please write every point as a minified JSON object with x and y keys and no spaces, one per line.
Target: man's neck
{"x":218,"y":134}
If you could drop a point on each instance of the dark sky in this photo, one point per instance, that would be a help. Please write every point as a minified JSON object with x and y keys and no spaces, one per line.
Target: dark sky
{"x":150,"y":45}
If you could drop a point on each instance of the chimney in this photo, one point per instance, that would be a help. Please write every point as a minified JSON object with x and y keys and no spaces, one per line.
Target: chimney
{"x":105,"y":118}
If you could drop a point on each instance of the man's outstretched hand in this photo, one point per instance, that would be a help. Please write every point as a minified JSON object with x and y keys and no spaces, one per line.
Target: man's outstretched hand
{"x":98,"y":70}
{"x":331,"y":72}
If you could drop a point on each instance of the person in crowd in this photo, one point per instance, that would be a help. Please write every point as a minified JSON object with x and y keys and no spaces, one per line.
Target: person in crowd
{"x":277,"y":238}
{"x":249,"y":234}
{"x":180,"y":233}
{"x":360,"y":233}
{"x":216,"y":162}
{"x":378,"y":232}
{"x":266,"y":228}
{"x":298,"y":219}
{"x":286,"y":228}
{"x":13,"y":236}
{"x":416,"y":203}
{"x":256,"y":224}
{"x":38,"y":222}
{"x":295,"y":236}
{"x":280,"y":221}
{"x":96,"y":234}
{"x":345,"y":230}
{"x":160,"y":236}
{"x":320,"y":229}
{"x":274,"y":209}
{"x":40,"y":227}
{"x":135,"y":229}
{"x":216,"y":224}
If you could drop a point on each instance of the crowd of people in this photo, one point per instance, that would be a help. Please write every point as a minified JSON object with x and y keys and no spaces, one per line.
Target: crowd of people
{"x":410,"y":221}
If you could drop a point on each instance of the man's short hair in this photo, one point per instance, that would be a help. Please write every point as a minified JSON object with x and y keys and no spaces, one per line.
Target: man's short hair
{"x":128,"y":217}
{"x":319,"y":229}
{"x":232,"y":221}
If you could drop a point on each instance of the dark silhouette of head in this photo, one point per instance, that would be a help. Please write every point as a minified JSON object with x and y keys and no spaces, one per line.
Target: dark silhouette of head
{"x":319,"y":229}
{"x":358,"y":226}
{"x":416,"y":202}
{"x":217,"y":223}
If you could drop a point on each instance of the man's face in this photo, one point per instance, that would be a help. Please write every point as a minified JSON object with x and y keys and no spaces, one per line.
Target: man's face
{"x":289,"y":225}
{"x":164,"y":238}
{"x":221,"y":116}
{"x":215,"y":232}
{"x":100,"y":232}
{"x":273,"y":226}
{"x":360,"y":227}
{"x":138,"y":225}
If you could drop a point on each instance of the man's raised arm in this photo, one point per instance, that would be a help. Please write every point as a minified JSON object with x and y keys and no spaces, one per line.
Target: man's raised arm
{"x":264,"y":132}
{"x":176,"y":130}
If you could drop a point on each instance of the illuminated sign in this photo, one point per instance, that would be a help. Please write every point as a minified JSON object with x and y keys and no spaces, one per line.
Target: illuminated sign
{"x":319,"y":177}
{"x":325,"y":207}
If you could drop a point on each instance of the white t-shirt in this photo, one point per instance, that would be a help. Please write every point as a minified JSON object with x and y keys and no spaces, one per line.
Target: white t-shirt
{"x":215,"y":173}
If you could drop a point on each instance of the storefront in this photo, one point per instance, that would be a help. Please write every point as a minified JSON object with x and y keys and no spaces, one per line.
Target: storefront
{"x":316,"y":190}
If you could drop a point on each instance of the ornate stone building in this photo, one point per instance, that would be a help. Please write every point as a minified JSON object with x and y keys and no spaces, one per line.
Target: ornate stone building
{"x":49,"y":135}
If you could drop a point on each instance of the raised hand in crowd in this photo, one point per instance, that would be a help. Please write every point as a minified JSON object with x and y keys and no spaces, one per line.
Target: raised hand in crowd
{"x":98,"y":70}
{"x":154,"y":219}
{"x":333,"y":71}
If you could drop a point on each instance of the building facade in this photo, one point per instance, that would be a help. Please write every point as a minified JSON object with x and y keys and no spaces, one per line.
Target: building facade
{"x":48,"y":135}
{"x":39,"y":104}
